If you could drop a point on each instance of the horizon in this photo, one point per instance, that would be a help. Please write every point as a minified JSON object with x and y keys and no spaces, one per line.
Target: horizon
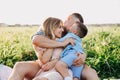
{"x":41,"y":24}
{"x":36,"y":11}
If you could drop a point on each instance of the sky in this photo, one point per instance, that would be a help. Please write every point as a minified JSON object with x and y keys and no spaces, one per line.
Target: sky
{"x":36,"y":11}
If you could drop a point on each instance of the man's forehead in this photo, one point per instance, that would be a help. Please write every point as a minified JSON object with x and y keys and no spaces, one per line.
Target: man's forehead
{"x":73,"y":18}
{"x":69,"y":17}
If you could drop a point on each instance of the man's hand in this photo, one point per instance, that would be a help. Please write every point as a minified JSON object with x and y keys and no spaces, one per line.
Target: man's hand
{"x":80,"y":60}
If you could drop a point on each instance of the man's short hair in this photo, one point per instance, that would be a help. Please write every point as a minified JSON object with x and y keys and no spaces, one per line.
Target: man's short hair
{"x":79,"y":16}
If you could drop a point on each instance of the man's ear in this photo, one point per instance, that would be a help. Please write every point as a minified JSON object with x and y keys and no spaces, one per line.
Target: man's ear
{"x":75,"y":31}
{"x":77,"y":20}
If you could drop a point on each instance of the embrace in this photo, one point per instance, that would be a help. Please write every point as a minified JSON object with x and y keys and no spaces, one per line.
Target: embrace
{"x":61,"y":56}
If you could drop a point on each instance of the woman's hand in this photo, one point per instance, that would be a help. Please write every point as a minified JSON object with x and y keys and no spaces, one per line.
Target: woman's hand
{"x":69,"y":41}
{"x":49,"y":65}
{"x":80,"y":60}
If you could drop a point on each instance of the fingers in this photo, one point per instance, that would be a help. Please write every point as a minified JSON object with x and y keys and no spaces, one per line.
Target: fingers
{"x":69,"y":41}
{"x":78,"y":58}
{"x":46,"y":67}
{"x":72,"y":41}
{"x":78,"y":54}
{"x":76,"y":64}
{"x":43,"y":49}
{"x":78,"y":61}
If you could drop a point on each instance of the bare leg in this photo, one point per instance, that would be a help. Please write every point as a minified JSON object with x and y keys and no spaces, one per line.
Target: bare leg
{"x":41,"y":78}
{"x":75,"y":79}
{"x":62,"y":68}
{"x":89,"y":74}
{"x":26,"y":69}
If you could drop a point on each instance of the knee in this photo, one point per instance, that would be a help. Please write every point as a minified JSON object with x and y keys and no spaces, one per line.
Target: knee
{"x":17,"y":65}
{"x":43,"y":78}
{"x":89,"y":73}
{"x":57,"y":66}
{"x":44,"y":60}
{"x":60,"y":65}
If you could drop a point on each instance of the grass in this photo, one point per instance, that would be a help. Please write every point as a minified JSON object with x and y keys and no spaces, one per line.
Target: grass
{"x":102,"y":45}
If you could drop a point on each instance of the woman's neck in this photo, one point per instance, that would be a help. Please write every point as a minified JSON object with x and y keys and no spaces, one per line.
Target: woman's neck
{"x":56,"y":38}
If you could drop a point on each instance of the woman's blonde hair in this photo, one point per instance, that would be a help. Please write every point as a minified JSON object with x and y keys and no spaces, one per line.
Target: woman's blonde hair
{"x":49,"y":25}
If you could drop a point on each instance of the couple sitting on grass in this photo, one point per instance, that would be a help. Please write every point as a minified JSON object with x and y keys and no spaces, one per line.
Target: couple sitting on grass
{"x":59,"y":51}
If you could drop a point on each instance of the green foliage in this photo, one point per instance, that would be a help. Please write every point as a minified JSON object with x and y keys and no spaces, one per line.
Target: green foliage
{"x":102,"y":45}
{"x":103,"y":53}
{"x":15,"y":45}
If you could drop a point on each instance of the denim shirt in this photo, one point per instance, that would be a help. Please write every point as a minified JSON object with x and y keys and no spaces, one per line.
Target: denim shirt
{"x":78,"y":43}
{"x":40,"y":32}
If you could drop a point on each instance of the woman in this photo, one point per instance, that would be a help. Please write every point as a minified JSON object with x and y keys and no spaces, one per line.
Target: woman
{"x":53,"y":32}
{"x":28,"y":69}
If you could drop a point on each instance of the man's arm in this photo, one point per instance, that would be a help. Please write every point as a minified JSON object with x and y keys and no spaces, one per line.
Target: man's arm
{"x":42,"y":41}
{"x":80,"y":60}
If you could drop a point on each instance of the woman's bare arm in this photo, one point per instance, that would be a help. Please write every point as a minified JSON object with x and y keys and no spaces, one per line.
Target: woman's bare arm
{"x":57,"y":53}
{"x":46,"y":56}
{"x":43,"y":54}
{"x":42,"y":41}
{"x":54,"y":60}
{"x":38,"y":51}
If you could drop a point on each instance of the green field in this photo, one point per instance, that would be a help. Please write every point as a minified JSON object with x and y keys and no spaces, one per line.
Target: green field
{"x":102,"y":45}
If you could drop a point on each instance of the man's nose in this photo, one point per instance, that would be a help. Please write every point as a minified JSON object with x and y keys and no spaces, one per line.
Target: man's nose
{"x":62,"y":29}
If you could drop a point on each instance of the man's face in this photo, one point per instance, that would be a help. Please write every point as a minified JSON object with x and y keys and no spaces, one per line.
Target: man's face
{"x":68,"y":23}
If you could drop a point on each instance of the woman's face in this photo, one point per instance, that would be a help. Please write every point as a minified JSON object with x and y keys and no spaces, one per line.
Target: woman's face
{"x":58,"y":32}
